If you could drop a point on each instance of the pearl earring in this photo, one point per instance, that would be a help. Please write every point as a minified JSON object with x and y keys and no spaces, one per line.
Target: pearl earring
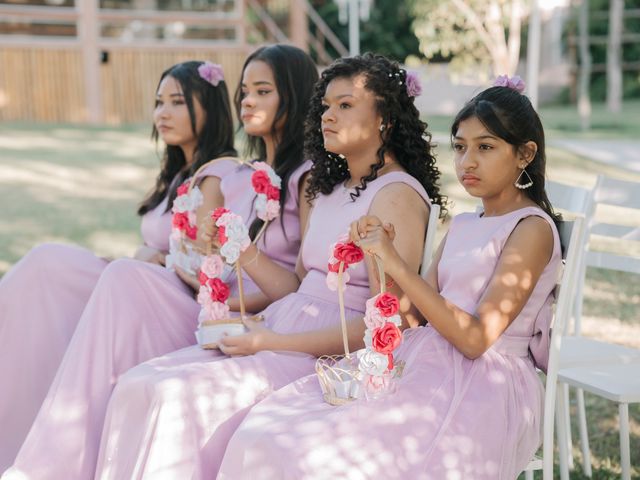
{"x":382,"y":128}
{"x":523,"y":186}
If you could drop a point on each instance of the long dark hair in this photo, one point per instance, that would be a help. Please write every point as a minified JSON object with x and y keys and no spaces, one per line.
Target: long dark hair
{"x":295,"y":74}
{"x":509,"y":115}
{"x":215,"y":140}
{"x":406,"y":137}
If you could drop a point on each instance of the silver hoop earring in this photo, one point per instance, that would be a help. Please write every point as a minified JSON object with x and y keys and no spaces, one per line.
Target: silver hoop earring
{"x":523,"y":186}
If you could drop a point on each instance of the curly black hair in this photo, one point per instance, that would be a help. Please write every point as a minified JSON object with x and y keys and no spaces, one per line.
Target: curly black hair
{"x":406,"y":137}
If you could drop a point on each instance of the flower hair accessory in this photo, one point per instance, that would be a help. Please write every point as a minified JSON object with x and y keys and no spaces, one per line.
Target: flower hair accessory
{"x":414,"y":87}
{"x":211,"y":72}
{"x":515,"y":83}
{"x":267,"y":185}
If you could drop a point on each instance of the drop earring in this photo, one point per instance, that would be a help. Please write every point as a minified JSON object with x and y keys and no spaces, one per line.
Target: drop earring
{"x":523,"y":186}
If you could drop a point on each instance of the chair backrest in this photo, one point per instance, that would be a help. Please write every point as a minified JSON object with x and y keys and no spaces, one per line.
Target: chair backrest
{"x":615,"y":193}
{"x":571,"y":236}
{"x":574,"y":201}
{"x":430,"y":239}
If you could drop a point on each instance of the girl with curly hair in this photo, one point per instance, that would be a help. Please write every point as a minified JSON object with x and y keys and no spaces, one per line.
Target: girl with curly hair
{"x":468,"y":403}
{"x":139,"y":311}
{"x":370,"y":154}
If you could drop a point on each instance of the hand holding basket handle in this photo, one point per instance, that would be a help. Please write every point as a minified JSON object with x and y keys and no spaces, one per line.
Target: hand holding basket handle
{"x":343,"y":379}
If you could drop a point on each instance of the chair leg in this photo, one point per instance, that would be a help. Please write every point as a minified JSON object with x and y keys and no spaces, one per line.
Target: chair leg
{"x":567,"y":428}
{"x":625,"y":454}
{"x":584,"y":435}
{"x":528,"y":475}
{"x":562,"y":435}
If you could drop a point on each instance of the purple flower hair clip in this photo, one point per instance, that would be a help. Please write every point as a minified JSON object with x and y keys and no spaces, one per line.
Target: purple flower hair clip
{"x":414,"y":88}
{"x":211,"y":72}
{"x":515,"y":82}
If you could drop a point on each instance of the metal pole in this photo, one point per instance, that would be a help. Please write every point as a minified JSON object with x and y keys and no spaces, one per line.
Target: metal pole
{"x":354,"y":28}
{"x":533,"y":53}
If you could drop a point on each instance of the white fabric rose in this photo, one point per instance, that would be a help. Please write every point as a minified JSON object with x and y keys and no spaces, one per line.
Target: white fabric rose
{"x":372,"y":362}
{"x":231,"y":251}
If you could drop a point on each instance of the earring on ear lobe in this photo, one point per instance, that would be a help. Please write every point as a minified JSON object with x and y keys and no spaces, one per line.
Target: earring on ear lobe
{"x":382,"y":128}
{"x":523,"y":186}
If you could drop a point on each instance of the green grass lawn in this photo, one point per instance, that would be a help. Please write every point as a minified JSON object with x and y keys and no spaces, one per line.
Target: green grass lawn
{"x":82,"y":185}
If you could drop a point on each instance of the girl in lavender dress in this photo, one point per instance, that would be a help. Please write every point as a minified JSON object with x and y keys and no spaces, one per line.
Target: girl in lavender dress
{"x":136,"y":313}
{"x":172,"y":417}
{"x":43,"y":296}
{"x":469,"y":402}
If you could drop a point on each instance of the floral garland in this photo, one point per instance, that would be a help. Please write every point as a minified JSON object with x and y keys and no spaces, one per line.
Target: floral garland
{"x":213,"y":293}
{"x":183,"y":224}
{"x":267,"y":184}
{"x":382,"y":336}
{"x":233,"y":237}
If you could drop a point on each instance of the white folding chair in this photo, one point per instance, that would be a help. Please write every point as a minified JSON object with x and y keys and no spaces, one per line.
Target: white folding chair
{"x":430,"y":239}
{"x":598,"y":367}
{"x":571,"y":234}
{"x":578,"y":350}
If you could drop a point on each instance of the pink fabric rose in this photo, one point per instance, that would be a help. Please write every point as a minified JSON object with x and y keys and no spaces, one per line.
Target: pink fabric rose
{"x":212,"y":266}
{"x":387,"y":303}
{"x":515,"y":83}
{"x":261,"y":181}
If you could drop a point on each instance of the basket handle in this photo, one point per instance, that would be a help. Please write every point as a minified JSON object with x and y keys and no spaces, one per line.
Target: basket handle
{"x":194,"y":177}
{"x":343,"y":320}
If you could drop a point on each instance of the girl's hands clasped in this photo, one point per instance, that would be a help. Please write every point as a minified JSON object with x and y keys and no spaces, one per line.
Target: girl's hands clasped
{"x":376,"y":238}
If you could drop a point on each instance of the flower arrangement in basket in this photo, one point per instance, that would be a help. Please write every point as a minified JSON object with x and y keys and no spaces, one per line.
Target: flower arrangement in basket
{"x":372,"y":369}
{"x":233,"y":238}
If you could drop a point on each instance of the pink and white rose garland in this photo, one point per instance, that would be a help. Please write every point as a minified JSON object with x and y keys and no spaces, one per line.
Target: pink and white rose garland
{"x":267,"y":185}
{"x":183,"y":227}
{"x":233,"y":237}
{"x":383,"y":335}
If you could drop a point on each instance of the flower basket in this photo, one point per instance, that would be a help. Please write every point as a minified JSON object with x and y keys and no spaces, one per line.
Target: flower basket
{"x":370,"y":372}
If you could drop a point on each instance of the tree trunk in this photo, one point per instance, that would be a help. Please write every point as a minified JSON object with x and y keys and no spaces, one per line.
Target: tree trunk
{"x":584,"y":101}
{"x":614,"y":56}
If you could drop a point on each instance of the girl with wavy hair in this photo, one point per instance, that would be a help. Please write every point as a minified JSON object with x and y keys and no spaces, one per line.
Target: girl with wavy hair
{"x":43,"y":297}
{"x":138,"y":312}
{"x":370,"y":154}
{"x":468,"y":403}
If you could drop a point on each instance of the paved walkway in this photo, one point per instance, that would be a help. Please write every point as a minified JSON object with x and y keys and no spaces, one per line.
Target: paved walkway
{"x":620,"y":153}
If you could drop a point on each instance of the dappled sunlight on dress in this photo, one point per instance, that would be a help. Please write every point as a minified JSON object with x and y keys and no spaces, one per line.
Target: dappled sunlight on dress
{"x":451,"y":417}
{"x":171,"y":417}
{"x":137,"y":311}
{"x":41,"y":300}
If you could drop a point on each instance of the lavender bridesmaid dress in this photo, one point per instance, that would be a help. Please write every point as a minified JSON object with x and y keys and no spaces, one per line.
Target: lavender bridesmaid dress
{"x":41,"y":300}
{"x":135,"y":312}
{"x":172,"y":417}
{"x":451,"y":417}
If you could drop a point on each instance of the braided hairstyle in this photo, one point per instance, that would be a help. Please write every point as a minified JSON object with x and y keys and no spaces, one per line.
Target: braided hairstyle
{"x":509,"y":115}
{"x":406,"y":137}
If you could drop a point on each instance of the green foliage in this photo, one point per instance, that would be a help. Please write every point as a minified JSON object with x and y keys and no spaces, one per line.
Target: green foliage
{"x":446,"y":33}
{"x":599,"y":26}
{"x":388,"y":31}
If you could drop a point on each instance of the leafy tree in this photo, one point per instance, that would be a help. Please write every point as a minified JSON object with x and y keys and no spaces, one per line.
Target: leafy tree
{"x":389,"y":30}
{"x":471,"y":32}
